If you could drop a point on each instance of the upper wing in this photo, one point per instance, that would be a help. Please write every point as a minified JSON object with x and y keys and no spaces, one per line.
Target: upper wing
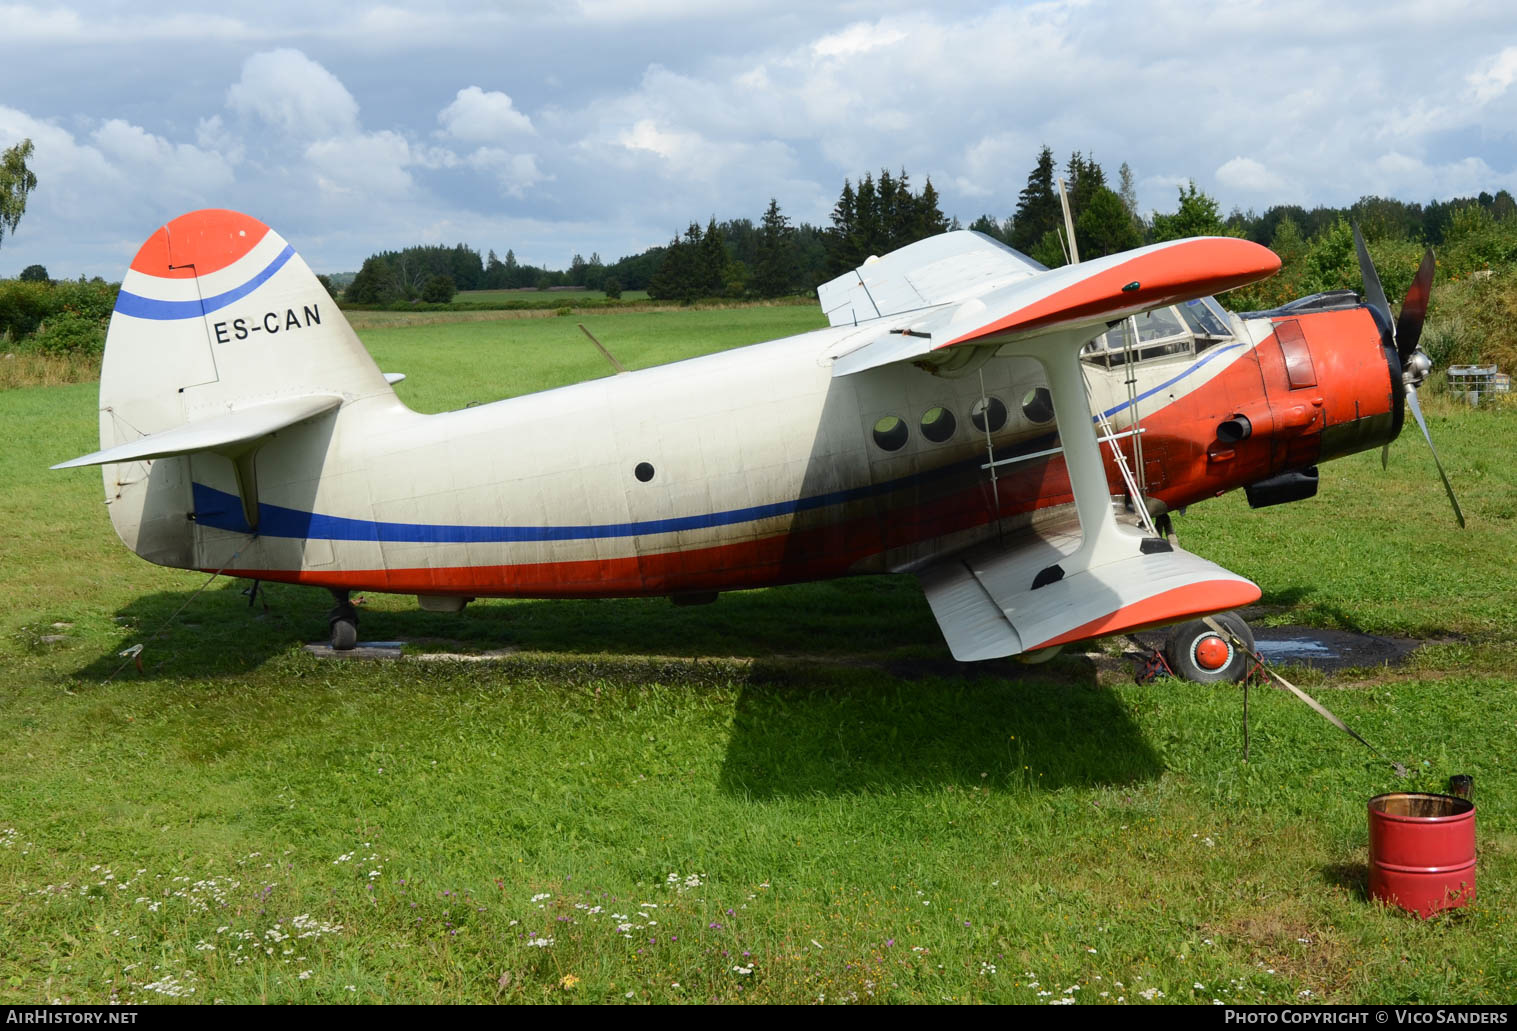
{"x":937,"y":270}
{"x":993,"y":305}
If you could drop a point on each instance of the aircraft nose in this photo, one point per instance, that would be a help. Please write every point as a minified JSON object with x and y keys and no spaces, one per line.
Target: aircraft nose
{"x":1359,"y":376}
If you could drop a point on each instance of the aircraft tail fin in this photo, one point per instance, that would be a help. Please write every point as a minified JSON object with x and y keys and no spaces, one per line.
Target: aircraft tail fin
{"x":222,"y":338}
{"x":218,"y":312}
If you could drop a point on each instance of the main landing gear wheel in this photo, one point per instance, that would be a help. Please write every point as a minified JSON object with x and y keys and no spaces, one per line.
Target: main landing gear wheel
{"x":343,"y":620}
{"x":1199,"y":654}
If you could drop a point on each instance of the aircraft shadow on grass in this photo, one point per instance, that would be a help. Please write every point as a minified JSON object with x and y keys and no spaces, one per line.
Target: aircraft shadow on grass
{"x":219,"y":632}
{"x":996,"y":726}
{"x":848,"y":686}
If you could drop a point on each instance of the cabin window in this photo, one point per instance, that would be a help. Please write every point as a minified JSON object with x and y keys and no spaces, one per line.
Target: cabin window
{"x":1037,"y":405}
{"x":643,"y":472}
{"x":997,"y":414}
{"x":890,"y":433}
{"x":938,"y":424}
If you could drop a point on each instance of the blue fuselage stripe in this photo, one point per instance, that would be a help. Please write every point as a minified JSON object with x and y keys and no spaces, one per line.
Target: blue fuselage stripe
{"x":141,"y":307}
{"x":223,"y":511}
{"x":1215,"y":352}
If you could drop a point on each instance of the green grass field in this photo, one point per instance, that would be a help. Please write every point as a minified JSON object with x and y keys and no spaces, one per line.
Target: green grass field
{"x":496,"y":296}
{"x":792,"y":795}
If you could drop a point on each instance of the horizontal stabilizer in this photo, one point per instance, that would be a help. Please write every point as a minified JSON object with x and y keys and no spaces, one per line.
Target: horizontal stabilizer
{"x":218,"y":433}
{"x":987,"y":607}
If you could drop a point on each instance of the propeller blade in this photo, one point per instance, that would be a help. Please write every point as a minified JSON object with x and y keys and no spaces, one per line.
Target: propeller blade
{"x":1414,"y":309}
{"x":1374,"y":294}
{"x":1416,"y":406}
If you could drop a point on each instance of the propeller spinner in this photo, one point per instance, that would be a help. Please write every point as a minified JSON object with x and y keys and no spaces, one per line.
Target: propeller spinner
{"x":1405,"y":332}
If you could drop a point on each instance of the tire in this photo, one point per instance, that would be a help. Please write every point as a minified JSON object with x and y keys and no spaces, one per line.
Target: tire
{"x":1196,"y":653}
{"x":344,"y":634}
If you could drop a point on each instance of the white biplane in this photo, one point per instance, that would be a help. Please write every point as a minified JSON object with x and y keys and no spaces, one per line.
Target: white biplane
{"x":1005,"y":432}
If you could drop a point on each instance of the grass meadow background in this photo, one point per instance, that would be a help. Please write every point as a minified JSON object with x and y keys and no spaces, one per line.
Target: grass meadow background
{"x":791,"y":795}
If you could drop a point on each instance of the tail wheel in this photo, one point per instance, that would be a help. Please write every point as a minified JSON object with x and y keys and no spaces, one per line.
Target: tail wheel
{"x":343,"y":621}
{"x":1199,"y":654}
{"x":344,"y":634}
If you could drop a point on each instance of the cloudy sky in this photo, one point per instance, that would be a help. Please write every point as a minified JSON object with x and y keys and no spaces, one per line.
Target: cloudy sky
{"x":607,"y":125}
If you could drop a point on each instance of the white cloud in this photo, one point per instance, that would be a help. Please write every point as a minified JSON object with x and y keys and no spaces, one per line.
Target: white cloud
{"x":144,"y":156}
{"x":857,"y":39}
{"x":514,"y":172}
{"x":23,"y":22}
{"x":482,"y":117}
{"x":1495,"y":77}
{"x":363,"y":164}
{"x":1250,"y":176}
{"x":291,"y":92}
{"x":667,"y":144}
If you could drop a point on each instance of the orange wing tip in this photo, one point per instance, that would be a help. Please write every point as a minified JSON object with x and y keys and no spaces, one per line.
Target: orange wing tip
{"x":1151,"y":278}
{"x":1172,"y":606}
{"x":198,"y":244}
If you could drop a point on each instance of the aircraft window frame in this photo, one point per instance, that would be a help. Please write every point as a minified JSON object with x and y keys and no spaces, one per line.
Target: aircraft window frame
{"x":1208,"y":320}
{"x":890,"y":433}
{"x":1036,"y":402}
{"x":940,"y":429}
{"x":998,"y":414}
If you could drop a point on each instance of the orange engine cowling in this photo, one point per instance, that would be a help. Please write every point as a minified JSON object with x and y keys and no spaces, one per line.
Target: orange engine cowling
{"x":1334,"y":380}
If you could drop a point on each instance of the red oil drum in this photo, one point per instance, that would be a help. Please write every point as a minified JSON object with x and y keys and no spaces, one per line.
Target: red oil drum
{"x":1422,"y":851}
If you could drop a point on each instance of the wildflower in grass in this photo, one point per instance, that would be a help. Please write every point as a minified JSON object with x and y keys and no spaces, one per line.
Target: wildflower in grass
{"x":569,"y":981}
{"x":540,"y":943}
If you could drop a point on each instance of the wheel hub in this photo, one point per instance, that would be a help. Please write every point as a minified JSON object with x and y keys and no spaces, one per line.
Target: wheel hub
{"x":1211,"y":652}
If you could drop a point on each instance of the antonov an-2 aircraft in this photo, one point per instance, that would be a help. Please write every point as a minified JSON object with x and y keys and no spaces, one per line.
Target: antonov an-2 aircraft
{"x":1005,"y":432}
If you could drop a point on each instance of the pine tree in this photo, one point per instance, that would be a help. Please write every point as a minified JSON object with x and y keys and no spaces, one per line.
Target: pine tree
{"x":1037,"y":205}
{"x":866,"y":221}
{"x":712,"y":273}
{"x":929,"y":216}
{"x":841,"y":238}
{"x":1082,"y":178}
{"x":775,"y":271}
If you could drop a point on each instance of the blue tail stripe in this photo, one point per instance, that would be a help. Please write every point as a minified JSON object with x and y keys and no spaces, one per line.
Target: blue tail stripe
{"x":141,"y":307}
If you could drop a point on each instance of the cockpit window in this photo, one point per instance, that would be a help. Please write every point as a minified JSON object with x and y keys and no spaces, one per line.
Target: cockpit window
{"x":1182,"y":329}
{"x":1203,"y":320}
{"x":1159,"y":324}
